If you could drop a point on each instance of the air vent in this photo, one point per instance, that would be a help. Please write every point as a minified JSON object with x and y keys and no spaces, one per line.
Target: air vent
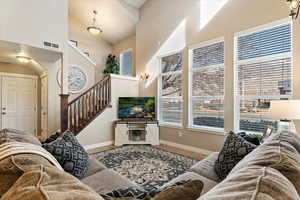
{"x":52,"y":45}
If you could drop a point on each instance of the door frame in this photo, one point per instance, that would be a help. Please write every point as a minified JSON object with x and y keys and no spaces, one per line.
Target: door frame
{"x":16,"y":75}
{"x":44,"y":75}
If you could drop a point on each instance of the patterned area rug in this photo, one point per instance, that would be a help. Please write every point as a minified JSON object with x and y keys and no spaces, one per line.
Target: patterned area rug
{"x":147,"y":166}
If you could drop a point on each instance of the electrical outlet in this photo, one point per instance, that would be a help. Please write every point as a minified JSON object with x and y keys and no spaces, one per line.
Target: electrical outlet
{"x":180,"y":134}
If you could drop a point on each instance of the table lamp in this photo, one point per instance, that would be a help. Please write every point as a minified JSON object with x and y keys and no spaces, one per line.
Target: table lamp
{"x":286,"y":111}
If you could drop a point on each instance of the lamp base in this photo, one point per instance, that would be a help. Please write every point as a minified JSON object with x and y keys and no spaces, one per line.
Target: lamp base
{"x":285,"y":125}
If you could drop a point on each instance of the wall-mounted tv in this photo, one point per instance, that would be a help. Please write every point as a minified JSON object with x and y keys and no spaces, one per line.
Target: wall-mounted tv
{"x":136,"y":108}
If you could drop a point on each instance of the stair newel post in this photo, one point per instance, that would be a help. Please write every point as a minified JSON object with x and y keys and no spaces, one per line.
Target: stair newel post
{"x":64,"y":114}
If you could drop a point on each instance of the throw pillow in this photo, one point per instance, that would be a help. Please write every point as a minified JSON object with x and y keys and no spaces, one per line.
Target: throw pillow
{"x":70,"y":154}
{"x":188,"y":191}
{"x":235,"y":149}
{"x":49,"y":183}
{"x":250,"y":138}
{"x":52,"y":138}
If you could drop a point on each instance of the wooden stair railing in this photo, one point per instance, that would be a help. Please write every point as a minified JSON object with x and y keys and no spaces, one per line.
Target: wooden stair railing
{"x":85,"y":108}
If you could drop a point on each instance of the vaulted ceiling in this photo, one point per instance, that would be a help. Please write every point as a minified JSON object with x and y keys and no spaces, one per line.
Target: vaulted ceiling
{"x":117,"y":18}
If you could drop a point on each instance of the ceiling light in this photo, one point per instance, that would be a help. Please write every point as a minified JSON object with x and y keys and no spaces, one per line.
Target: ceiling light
{"x":94,"y":29}
{"x":294,"y":8}
{"x":23,"y":59}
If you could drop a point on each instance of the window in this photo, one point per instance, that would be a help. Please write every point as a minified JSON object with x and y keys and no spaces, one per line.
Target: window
{"x":126,"y":63}
{"x":207,"y":85}
{"x":170,"y":89}
{"x":264,"y":72}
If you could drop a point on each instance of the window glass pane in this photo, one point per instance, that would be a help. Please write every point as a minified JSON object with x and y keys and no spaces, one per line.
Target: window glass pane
{"x":255,"y":115}
{"x":172,"y":85}
{"x":208,"y":81}
{"x":170,"y":89}
{"x":208,"y":86}
{"x":171,"y":110}
{"x":126,"y":63}
{"x":172,"y":63}
{"x":266,"y":78}
{"x":264,"y":73}
{"x":208,"y":55}
{"x":272,"y":41}
{"x":208,"y":113}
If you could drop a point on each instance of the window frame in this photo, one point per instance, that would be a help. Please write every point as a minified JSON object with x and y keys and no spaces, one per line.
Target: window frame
{"x":121,"y":59}
{"x":237,"y":96}
{"x":191,"y":124}
{"x":159,"y":89}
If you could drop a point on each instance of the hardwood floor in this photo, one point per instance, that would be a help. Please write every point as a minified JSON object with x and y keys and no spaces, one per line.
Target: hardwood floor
{"x":164,"y":147}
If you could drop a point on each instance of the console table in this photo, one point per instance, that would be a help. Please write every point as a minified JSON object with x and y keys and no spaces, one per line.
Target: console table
{"x":136,"y":132}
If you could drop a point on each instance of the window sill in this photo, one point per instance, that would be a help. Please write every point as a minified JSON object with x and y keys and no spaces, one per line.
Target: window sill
{"x":170,"y":125}
{"x":215,"y":131}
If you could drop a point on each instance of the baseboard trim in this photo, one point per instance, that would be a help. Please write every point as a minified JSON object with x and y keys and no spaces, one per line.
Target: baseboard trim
{"x":186,"y":147}
{"x":94,"y":146}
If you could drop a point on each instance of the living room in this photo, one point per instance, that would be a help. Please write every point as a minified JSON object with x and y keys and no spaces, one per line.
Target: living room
{"x":149,"y":99}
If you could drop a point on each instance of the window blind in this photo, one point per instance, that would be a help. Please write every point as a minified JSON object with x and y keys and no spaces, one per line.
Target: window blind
{"x":264,"y":68}
{"x":207,"y":82}
{"x":170,"y":89}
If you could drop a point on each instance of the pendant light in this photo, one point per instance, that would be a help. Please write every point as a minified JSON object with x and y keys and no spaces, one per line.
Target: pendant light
{"x":94,"y":29}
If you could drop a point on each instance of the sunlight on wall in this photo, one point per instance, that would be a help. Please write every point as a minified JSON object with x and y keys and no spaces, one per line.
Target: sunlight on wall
{"x":175,"y":42}
{"x":208,"y":9}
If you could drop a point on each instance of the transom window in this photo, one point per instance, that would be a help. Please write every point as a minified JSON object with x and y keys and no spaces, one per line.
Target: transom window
{"x":207,"y":85}
{"x":170,"y":89}
{"x":264,"y":72}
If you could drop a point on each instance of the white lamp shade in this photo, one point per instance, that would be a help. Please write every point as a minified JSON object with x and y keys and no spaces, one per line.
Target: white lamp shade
{"x":285,"y":109}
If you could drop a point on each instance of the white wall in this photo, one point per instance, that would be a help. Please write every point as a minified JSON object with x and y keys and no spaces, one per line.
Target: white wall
{"x":101,"y":129}
{"x":94,"y":45}
{"x":54,"y":91}
{"x":170,"y":25}
{"x":32,"y":22}
{"x":76,"y":58}
{"x":126,"y":44}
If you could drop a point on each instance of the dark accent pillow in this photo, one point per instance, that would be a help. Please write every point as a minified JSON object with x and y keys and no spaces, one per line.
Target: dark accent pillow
{"x":70,"y":154}
{"x":234,"y":150}
{"x":52,"y":138}
{"x":250,"y":138}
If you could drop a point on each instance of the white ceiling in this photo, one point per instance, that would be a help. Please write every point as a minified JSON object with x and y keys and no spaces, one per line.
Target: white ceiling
{"x":9,"y":51}
{"x":117,"y":18}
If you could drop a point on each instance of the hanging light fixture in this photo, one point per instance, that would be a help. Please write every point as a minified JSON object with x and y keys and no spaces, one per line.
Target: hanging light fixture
{"x":294,"y":7}
{"x":93,"y":29}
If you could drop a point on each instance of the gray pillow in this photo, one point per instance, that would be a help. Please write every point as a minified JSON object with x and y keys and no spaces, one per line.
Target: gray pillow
{"x":70,"y":154}
{"x":234,"y":150}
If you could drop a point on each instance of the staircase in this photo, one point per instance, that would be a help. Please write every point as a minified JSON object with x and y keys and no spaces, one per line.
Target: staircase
{"x":81,"y":111}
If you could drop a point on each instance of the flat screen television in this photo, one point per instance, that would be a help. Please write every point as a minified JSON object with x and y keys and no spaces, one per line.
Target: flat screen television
{"x":136,"y":108}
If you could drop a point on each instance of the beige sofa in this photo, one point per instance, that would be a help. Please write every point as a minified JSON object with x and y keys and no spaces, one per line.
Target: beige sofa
{"x":271,"y":171}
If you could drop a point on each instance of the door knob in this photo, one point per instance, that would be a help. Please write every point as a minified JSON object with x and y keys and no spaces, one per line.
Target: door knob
{"x":3,"y":113}
{"x":3,"y":108}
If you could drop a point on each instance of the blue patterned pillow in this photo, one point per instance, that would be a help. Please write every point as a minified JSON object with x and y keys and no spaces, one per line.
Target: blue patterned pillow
{"x":70,"y":154}
{"x":234,"y":150}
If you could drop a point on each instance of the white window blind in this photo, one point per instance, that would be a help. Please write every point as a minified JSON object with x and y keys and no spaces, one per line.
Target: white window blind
{"x":207,"y":86}
{"x":170,"y":89}
{"x":264,"y":69}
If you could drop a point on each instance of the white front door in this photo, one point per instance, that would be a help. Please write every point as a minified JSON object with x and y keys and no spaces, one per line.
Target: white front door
{"x":44,"y":106}
{"x":19,"y":100}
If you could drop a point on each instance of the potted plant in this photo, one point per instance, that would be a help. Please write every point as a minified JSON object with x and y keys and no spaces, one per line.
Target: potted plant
{"x":112,"y":65}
